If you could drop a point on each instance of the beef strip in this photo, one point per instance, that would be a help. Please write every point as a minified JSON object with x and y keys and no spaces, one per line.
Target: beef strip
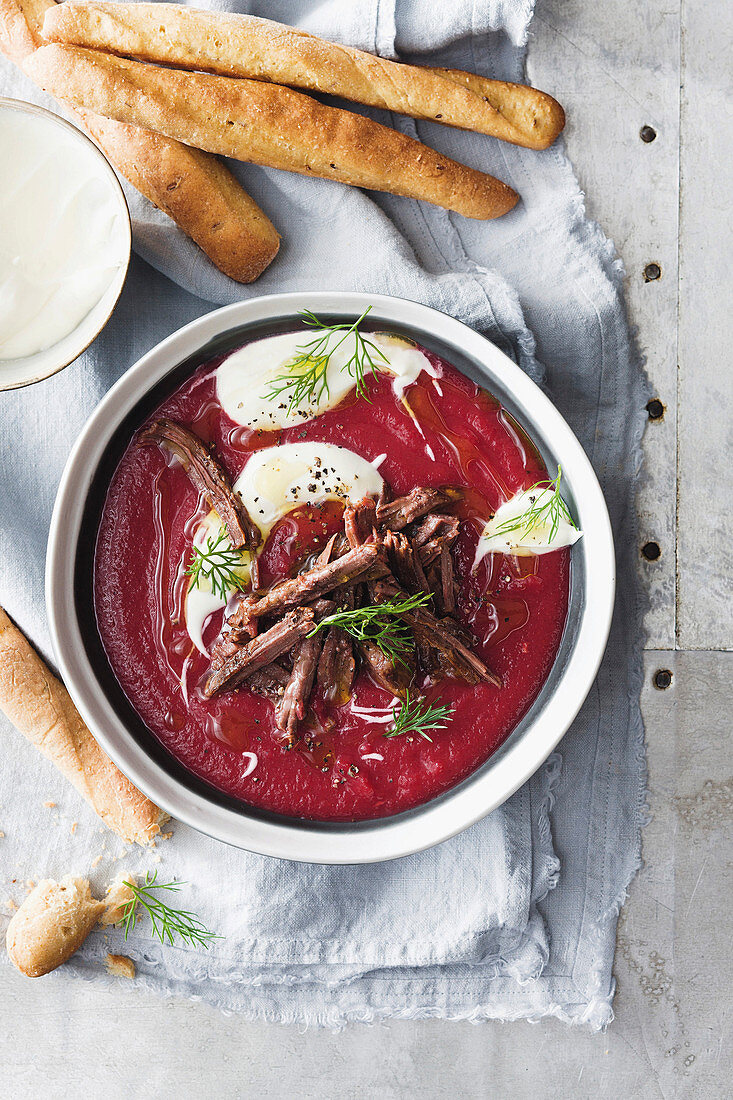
{"x":360,"y":521}
{"x":429,"y":552}
{"x":326,"y":553}
{"x":223,"y":648}
{"x":442,"y":635}
{"x":433,"y":574}
{"x":434,"y":526}
{"x":261,"y":651}
{"x":395,"y":676}
{"x":208,"y":476}
{"x":447,"y":587}
{"x":240,"y":626}
{"x":291,"y":709}
{"x":405,"y":562}
{"x":403,"y":510}
{"x":337,"y":666}
{"x":364,"y":561}
{"x":270,"y":682}
{"x":322,"y":607}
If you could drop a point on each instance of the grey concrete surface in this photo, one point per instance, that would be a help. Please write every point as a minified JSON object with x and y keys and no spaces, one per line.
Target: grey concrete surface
{"x":617,"y":67}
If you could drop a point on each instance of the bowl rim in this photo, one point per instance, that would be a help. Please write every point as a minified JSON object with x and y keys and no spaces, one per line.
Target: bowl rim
{"x":87,"y":337}
{"x":391,"y":837}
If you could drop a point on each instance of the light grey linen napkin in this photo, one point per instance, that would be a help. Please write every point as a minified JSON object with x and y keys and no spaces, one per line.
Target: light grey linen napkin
{"x":498,"y":922}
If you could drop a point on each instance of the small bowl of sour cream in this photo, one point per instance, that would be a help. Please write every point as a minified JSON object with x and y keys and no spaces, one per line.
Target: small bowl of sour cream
{"x":65,"y":242}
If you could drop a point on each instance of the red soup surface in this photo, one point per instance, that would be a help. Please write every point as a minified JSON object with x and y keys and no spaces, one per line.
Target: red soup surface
{"x":452,"y":433}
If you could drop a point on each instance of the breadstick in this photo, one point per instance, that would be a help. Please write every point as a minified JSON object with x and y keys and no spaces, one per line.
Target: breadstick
{"x":191,"y":187}
{"x":245,"y":46}
{"x":266,"y":124}
{"x":40,"y":707}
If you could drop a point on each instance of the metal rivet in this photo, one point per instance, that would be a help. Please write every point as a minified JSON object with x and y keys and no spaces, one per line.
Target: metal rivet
{"x":655,"y":408}
{"x":652,"y":272}
{"x":662,"y":679}
{"x":647,"y":134}
{"x":651,"y":551}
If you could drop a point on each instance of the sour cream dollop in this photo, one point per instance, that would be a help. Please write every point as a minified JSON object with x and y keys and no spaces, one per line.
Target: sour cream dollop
{"x":247,"y":379}
{"x":274,"y":482}
{"x":61,"y":243}
{"x":524,"y":539}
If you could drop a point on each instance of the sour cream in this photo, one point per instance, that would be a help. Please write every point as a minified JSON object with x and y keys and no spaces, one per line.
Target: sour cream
{"x":247,"y":380}
{"x":62,"y":241}
{"x":274,"y":482}
{"x":525,"y":540}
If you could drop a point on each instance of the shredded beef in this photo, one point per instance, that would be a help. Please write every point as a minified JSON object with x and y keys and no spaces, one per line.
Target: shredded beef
{"x":446,"y":580}
{"x":362,"y":562}
{"x":292,"y":707}
{"x":337,"y":666}
{"x":208,"y":476}
{"x":435,"y":527}
{"x":395,"y":676}
{"x":400,"y":512}
{"x":442,"y":635}
{"x":404,"y":561}
{"x":269,"y":682}
{"x":261,"y":651}
{"x":360,"y":521}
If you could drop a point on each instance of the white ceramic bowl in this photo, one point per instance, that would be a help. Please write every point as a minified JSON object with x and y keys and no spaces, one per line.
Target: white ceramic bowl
{"x":136,"y":751}
{"x":15,"y":373}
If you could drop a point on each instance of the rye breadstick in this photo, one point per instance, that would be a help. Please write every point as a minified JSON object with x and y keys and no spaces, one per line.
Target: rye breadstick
{"x":40,"y":707}
{"x":245,"y":46}
{"x":266,"y":124}
{"x":191,"y":187}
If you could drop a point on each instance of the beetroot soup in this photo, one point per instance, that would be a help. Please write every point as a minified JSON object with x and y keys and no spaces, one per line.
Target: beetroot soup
{"x":332,"y":574}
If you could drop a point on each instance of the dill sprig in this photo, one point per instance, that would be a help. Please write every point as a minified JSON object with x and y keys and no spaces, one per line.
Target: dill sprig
{"x":217,"y":563}
{"x":416,"y":716}
{"x":381,"y":624}
{"x":542,"y":509}
{"x":306,"y":375}
{"x":167,"y":922}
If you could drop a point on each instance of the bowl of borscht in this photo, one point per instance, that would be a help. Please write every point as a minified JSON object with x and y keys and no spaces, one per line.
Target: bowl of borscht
{"x":328,"y":576}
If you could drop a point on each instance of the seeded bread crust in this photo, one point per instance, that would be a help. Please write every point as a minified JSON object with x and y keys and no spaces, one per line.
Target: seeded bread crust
{"x":266,"y":124}
{"x":245,"y":46}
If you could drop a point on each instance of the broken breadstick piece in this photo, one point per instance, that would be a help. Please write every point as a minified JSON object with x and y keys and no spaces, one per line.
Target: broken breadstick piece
{"x":41,"y":708}
{"x":51,"y":924}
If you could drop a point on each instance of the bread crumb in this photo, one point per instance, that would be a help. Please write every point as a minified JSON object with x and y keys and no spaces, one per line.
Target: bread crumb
{"x":11,"y":905}
{"x":2,"y":834}
{"x":166,"y":836}
{"x":49,"y":805}
{"x":119,"y":966}
{"x":98,"y":860}
{"x":73,"y":826}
